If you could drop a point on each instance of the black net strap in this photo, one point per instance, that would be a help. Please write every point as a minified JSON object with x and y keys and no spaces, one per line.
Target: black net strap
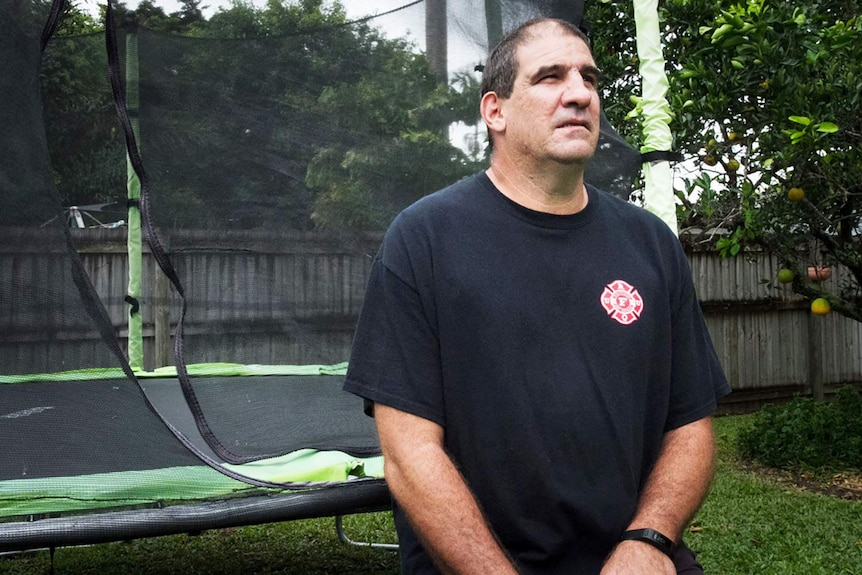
{"x":662,"y":156}
{"x":88,"y":297}
{"x":159,"y":254}
{"x":57,"y":9}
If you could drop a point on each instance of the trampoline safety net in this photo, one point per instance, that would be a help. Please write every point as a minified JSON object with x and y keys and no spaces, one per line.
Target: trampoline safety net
{"x":185,"y":241}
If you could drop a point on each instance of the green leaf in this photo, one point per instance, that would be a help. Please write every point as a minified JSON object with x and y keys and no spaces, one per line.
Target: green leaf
{"x":800,"y":120}
{"x":724,"y":29}
{"x":827,"y":127}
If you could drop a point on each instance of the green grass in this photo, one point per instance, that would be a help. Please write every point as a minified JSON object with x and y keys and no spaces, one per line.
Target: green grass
{"x":308,"y":547}
{"x":748,"y":525}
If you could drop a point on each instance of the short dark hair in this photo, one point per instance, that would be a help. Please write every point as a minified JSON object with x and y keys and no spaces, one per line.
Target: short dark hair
{"x":501,"y":68}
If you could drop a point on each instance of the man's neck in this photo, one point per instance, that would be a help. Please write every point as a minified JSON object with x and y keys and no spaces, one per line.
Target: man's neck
{"x":560,"y":192}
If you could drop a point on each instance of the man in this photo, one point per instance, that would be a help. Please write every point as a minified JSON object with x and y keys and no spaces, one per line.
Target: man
{"x":539,"y":368}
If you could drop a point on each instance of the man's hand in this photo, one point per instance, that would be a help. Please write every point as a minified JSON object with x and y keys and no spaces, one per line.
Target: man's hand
{"x":638,"y":558}
{"x":679,"y":480}
{"x":673,"y":493}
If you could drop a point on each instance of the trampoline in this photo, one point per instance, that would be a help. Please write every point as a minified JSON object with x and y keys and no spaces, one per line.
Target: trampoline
{"x":101,"y":466}
{"x":178,"y":367}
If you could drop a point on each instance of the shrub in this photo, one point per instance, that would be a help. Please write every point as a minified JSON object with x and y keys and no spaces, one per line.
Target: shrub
{"x":805,"y":434}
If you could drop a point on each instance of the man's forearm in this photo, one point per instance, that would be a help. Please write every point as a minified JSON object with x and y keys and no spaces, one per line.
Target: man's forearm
{"x":441,"y":509}
{"x":679,"y":481}
{"x":672,"y":495}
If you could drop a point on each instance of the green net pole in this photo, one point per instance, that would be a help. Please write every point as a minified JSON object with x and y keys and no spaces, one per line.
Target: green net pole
{"x":133,"y":187}
{"x":656,"y":114}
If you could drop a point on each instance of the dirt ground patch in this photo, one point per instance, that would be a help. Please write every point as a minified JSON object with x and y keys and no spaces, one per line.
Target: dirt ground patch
{"x":846,"y":486}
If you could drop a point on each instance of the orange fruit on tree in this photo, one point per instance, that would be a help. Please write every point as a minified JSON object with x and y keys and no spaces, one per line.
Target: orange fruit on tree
{"x":820,"y":306}
{"x":795,"y":194}
{"x":785,"y":275}
{"x":732,"y":165}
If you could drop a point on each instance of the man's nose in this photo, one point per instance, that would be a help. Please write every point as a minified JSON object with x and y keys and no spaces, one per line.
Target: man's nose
{"x":577,"y":92}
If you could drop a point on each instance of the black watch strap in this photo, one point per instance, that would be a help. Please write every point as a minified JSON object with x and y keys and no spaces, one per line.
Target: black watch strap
{"x":661,"y":542}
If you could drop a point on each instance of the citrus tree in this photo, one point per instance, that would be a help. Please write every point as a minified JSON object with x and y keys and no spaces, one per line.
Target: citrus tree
{"x":767,"y":103}
{"x":768,"y":96}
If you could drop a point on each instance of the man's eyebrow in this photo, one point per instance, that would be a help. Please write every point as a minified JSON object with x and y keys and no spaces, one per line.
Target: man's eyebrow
{"x":591,"y":70}
{"x":557,"y":68}
{"x":595,"y":70}
{"x":547,"y":69}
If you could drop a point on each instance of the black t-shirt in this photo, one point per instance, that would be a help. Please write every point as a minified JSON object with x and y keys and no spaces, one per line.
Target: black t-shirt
{"x":555,"y":351}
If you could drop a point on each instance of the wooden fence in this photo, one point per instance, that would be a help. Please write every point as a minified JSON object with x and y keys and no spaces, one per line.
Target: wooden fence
{"x":294,"y":299}
{"x":770,"y":344}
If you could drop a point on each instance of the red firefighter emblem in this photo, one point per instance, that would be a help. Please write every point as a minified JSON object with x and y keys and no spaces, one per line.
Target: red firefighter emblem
{"x":622,"y":302}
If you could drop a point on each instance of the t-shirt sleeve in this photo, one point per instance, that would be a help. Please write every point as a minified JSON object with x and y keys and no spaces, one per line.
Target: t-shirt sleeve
{"x":697,"y":377}
{"x":395,"y":358}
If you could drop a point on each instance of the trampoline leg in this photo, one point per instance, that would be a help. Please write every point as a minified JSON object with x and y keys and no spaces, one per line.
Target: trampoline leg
{"x":339,"y":529}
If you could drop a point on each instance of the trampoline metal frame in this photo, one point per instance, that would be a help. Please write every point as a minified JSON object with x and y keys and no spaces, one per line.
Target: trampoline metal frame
{"x":353,"y":497}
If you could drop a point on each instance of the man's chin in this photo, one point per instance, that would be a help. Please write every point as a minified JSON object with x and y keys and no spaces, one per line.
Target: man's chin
{"x":575,"y":157}
{"x":575,"y":150}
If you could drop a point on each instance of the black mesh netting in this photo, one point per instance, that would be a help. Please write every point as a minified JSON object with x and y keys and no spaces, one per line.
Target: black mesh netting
{"x":50,"y":317}
{"x":268,"y":156}
{"x":276,"y":144}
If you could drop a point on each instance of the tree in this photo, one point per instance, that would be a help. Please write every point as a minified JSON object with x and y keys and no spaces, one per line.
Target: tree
{"x":330,"y":123}
{"x":190,"y":12}
{"x":766,"y":97}
{"x":325,"y":120}
{"x":151,"y":15}
{"x":612,"y":33}
{"x":86,"y":148}
{"x":403,"y":153}
{"x":86,"y":145}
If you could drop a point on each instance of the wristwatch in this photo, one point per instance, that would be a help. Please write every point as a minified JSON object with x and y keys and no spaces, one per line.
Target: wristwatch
{"x":661,"y":542}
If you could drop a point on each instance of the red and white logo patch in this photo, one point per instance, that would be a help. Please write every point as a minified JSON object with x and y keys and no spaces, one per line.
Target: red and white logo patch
{"x":622,"y":302}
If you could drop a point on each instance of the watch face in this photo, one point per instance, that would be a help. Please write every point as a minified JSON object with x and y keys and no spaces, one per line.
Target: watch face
{"x":651,"y":536}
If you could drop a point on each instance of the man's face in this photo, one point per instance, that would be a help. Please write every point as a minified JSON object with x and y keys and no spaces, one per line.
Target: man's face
{"x":553,"y":112}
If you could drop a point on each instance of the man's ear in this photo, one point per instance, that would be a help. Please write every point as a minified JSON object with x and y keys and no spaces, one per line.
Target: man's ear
{"x":491,"y":109}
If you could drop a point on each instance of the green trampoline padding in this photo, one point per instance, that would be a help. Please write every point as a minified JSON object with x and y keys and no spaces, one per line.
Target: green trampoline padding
{"x":87,"y":440}
{"x":195,"y":370}
{"x":310,"y":465}
{"x":54,"y":495}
